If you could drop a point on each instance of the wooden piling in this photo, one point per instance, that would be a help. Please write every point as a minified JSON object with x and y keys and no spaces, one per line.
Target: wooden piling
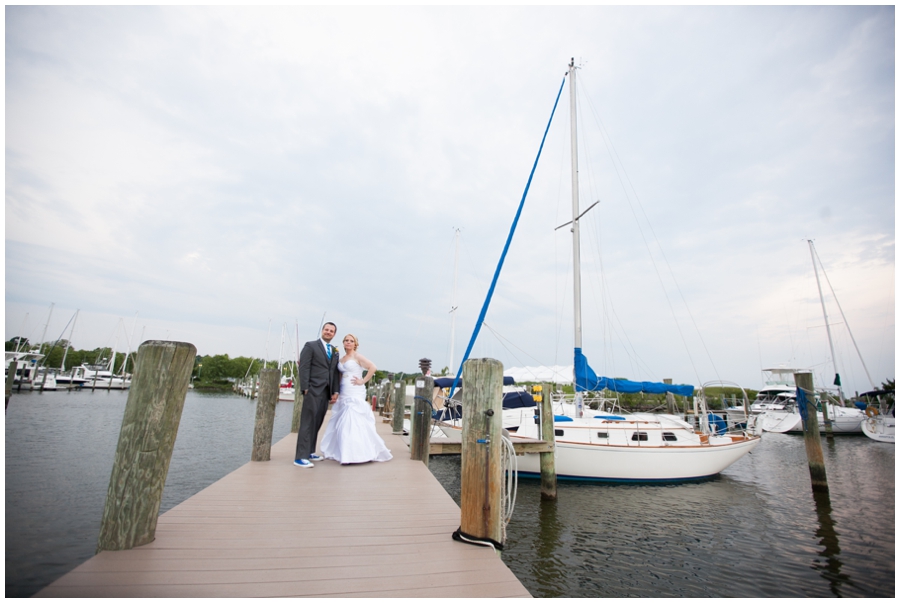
{"x":399,"y":407}
{"x":10,"y":376}
{"x":481,"y":471}
{"x":829,"y":432}
{"x":269,"y":384}
{"x":420,"y":420}
{"x":548,"y":434}
{"x":811,"y":436}
{"x":298,"y":407}
{"x":159,"y":385}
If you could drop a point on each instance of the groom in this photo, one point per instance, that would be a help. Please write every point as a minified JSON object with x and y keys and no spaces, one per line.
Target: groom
{"x":320,"y":382}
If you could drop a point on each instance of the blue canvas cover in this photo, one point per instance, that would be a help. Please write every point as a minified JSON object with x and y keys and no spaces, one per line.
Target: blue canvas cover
{"x":445,"y":382}
{"x":586,"y":380}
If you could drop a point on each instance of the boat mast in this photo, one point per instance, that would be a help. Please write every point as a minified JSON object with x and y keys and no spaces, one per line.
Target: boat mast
{"x":47,"y":324}
{"x":576,"y":237}
{"x":453,"y":305}
{"x":837,"y":377}
{"x":62,"y":367}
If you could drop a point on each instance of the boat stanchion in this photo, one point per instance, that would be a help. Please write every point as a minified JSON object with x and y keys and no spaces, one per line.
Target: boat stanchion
{"x":811,"y":437}
{"x":269,"y":384}
{"x":162,"y":374}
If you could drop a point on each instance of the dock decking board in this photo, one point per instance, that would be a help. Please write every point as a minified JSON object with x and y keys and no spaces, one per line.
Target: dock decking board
{"x":271,"y":529}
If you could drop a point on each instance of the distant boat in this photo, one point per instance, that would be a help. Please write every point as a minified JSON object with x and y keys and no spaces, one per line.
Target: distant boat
{"x":27,"y":372}
{"x":880,"y":421}
{"x":100,"y":377}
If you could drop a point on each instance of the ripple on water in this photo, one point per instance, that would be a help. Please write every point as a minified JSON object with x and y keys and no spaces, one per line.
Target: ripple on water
{"x":753,"y":531}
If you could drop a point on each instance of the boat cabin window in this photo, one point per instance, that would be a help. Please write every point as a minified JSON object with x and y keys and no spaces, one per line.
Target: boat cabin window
{"x":639,"y":436}
{"x":559,"y":432}
{"x":668,"y":436}
{"x":602,"y":434}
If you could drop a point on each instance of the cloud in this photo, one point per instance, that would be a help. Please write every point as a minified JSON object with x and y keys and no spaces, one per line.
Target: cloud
{"x":219,"y":168}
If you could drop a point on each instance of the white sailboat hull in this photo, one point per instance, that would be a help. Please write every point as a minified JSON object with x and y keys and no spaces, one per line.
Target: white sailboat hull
{"x":880,"y":428}
{"x":636,"y":463}
{"x":843,"y":420}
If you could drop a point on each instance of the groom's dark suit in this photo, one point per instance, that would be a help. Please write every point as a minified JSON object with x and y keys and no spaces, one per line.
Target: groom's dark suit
{"x":319,"y":378}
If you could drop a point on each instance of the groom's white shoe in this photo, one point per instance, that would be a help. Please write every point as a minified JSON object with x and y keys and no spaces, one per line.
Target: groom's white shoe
{"x":316,"y":457}
{"x":303,"y":463}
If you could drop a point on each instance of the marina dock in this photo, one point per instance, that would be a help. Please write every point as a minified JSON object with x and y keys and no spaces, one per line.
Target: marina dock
{"x":273,"y":529}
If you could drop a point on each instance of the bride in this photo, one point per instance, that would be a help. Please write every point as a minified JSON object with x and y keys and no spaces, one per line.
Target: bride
{"x":350,"y":436}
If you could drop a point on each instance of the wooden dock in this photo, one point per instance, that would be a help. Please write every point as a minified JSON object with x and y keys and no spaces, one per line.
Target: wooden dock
{"x":271,"y":529}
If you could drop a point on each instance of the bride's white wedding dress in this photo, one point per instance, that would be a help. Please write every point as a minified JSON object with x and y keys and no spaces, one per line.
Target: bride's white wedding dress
{"x":350,"y":436}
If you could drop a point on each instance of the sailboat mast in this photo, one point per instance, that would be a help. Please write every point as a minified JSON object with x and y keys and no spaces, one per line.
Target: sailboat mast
{"x":576,"y":236}
{"x":837,"y":377}
{"x":62,"y":367}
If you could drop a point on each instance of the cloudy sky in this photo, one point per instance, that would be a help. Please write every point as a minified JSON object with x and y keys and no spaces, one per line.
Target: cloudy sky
{"x":219,"y":175}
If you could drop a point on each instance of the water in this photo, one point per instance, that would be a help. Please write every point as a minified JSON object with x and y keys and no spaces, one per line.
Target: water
{"x":755,"y":531}
{"x":60,"y":448}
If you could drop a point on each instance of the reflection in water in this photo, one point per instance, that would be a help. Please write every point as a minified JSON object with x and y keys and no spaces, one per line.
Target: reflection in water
{"x":831,"y":568}
{"x":545,"y":565}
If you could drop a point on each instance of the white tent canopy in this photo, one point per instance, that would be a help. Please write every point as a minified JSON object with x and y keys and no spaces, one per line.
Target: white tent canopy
{"x":548,"y":374}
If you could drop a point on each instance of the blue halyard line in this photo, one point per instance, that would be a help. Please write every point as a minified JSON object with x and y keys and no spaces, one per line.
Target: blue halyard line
{"x":512,"y":231}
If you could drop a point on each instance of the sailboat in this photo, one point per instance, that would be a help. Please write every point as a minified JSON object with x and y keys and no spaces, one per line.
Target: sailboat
{"x":844,"y":419}
{"x":644,"y":447}
{"x":880,"y":421}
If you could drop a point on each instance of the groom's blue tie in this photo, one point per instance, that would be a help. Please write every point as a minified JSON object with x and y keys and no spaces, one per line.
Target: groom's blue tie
{"x":328,"y":348}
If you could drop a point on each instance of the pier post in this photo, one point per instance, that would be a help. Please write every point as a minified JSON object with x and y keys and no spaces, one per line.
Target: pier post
{"x":420,"y":420}
{"x":159,"y":385}
{"x":269,"y":384}
{"x":548,"y":434}
{"x":811,"y":436}
{"x":481,"y":471}
{"x":9,"y":380}
{"x":398,"y":405}
{"x":829,"y":432}
{"x":388,"y":398}
{"x":384,"y":397}
{"x":298,"y":407}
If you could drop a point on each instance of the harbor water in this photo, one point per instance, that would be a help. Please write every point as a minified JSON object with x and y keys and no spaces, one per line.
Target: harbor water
{"x":754,"y":531}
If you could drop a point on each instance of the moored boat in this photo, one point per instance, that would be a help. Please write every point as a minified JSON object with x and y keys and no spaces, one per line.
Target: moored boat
{"x":640,"y":447}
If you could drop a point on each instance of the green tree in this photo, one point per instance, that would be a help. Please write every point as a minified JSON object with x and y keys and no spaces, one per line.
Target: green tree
{"x":20,"y":342}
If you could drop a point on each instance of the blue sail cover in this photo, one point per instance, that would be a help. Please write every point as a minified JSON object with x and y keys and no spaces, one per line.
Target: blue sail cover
{"x":586,"y":380}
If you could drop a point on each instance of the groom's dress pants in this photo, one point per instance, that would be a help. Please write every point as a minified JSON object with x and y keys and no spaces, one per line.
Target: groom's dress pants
{"x":311,"y":418}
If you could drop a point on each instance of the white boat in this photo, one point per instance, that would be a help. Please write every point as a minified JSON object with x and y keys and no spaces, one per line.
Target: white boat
{"x":844,"y":419}
{"x":879,"y":421}
{"x":27,"y":372}
{"x":640,"y":447}
{"x":100,"y":377}
{"x":286,"y":389}
{"x":880,"y":427}
{"x":780,"y":413}
{"x":72,"y":379}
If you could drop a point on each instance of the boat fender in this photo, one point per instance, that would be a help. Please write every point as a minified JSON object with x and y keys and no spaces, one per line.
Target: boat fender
{"x":871,"y":411}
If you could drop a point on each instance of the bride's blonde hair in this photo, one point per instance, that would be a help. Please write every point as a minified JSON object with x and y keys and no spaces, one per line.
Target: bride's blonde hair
{"x":355,"y":340}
